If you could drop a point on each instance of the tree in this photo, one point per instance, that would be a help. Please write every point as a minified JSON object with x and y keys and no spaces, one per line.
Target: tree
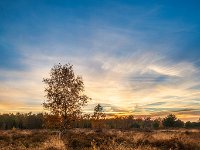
{"x":172,"y":121}
{"x":65,"y":94}
{"x":147,"y":122}
{"x":179,"y":123}
{"x":189,"y":124}
{"x":98,"y":112}
{"x":98,"y":116}
{"x":156,"y":124}
{"x":169,"y":121}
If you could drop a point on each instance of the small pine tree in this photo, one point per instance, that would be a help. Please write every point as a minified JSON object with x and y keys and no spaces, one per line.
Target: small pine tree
{"x":98,"y":112}
{"x":98,"y":115}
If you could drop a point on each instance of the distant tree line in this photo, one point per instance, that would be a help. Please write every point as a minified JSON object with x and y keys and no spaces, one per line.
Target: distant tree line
{"x":21,"y":121}
{"x":38,"y":121}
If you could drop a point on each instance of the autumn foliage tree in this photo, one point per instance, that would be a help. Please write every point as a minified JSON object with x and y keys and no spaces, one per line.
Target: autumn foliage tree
{"x":65,"y":95}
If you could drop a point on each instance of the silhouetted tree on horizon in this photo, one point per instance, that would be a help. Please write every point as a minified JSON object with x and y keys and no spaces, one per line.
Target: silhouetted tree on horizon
{"x":98,"y":116}
{"x":98,"y":112}
{"x":172,"y":121}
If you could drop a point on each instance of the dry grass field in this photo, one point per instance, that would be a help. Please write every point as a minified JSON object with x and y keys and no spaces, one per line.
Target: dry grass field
{"x":86,"y":139}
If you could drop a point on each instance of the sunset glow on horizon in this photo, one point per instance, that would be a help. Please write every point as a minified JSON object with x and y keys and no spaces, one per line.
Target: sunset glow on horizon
{"x":135,"y":57}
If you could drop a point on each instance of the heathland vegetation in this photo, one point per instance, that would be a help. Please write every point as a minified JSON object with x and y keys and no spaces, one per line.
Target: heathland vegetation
{"x":108,"y":139}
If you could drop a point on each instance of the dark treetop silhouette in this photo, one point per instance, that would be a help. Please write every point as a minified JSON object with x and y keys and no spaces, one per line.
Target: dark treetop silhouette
{"x":98,"y":112}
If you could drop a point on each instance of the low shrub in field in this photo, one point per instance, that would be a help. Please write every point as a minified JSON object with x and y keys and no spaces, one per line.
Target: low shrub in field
{"x":21,"y":139}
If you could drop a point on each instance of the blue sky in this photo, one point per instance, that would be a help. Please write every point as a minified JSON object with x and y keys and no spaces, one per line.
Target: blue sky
{"x":136,"y":57}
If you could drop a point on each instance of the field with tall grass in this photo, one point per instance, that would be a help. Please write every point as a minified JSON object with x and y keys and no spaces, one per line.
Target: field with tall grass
{"x":87,"y":139}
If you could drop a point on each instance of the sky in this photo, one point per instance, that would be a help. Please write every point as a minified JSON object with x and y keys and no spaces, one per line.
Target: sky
{"x":139,"y":57}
